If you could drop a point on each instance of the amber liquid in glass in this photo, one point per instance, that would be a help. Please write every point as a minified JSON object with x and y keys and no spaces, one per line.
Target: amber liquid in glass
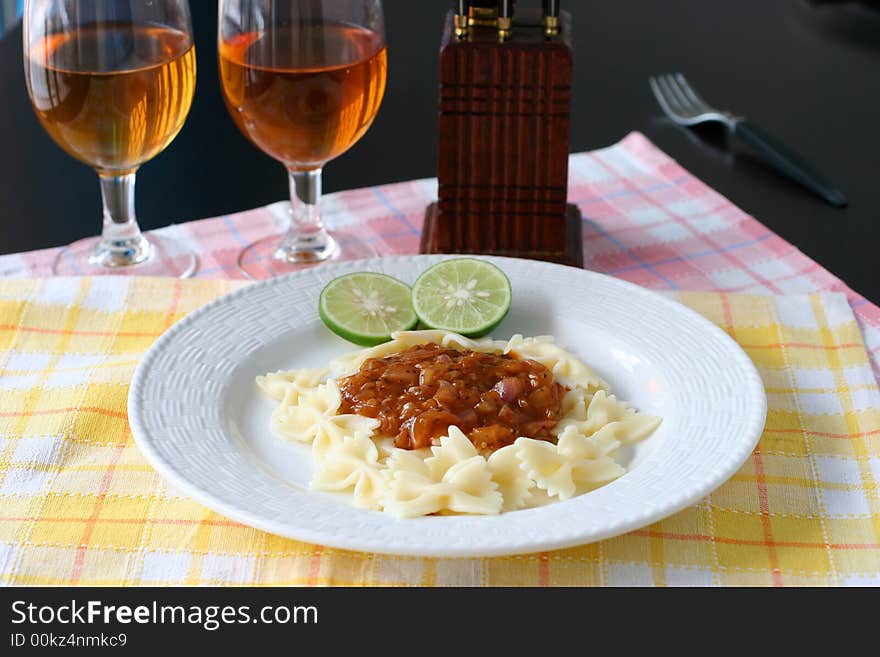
{"x":113,"y":96}
{"x":304,"y":94}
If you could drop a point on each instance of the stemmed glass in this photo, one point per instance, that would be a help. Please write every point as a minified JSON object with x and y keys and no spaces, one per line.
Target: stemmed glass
{"x":112,"y":82}
{"x":303,"y":80}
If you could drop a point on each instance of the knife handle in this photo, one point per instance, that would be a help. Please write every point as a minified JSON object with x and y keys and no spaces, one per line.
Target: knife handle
{"x":785,"y":160}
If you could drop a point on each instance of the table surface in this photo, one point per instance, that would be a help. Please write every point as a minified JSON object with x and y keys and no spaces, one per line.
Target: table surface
{"x":806,"y":73}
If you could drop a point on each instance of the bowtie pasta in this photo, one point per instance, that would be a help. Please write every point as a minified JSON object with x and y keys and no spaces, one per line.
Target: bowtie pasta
{"x":452,"y":476}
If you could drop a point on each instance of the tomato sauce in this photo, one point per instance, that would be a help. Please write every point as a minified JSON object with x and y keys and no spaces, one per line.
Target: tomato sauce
{"x":419,"y":393}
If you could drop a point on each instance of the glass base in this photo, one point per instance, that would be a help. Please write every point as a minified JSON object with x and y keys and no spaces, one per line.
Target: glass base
{"x":273,"y":256}
{"x":154,"y":256}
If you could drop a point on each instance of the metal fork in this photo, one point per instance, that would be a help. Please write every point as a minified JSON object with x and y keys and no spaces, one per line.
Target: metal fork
{"x":682,"y":104}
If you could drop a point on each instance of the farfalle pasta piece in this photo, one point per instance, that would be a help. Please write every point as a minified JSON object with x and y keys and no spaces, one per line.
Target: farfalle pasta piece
{"x":569,"y":370}
{"x":466,"y":488}
{"x":631,"y":429}
{"x":454,"y":447}
{"x":289,"y":385}
{"x":454,"y":340}
{"x":574,"y":405}
{"x":386,"y":448}
{"x":517,"y":341}
{"x":315,"y":415}
{"x":605,"y":408}
{"x":574,"y":465}
{"x":455,"y":479}
{"x":302,"y":421}
{"x":411,"y":491}
{"x":332,"y":431}
{"x":513,"y":483}
{"x":604,"y":412}
{"x":575,"y":445}
{"x":352,"y":465}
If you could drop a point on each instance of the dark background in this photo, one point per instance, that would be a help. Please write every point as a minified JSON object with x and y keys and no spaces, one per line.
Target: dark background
{"x":808,"y":73}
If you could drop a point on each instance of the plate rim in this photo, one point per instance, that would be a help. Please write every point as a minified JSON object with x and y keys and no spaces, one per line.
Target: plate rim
{"x":685,"y":498}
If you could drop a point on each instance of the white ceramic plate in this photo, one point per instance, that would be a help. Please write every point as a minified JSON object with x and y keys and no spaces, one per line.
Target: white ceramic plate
{"x":197,"y":415}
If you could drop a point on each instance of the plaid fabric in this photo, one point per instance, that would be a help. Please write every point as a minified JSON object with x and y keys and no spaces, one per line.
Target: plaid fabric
{"x":80,"y":505}
{"x":647,"y":220}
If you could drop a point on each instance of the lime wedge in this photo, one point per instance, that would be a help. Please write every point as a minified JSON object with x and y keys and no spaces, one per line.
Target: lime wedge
{"x":464,"y":295}
{"x":366,"y":308}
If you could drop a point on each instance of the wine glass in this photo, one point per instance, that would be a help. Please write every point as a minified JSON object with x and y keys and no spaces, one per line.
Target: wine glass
{"x":112,"y":82}
{"x":303,"y":80}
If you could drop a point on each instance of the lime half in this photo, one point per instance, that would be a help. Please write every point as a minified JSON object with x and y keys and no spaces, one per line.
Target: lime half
{"x":366,"y":308}
{"x":464,"y":295}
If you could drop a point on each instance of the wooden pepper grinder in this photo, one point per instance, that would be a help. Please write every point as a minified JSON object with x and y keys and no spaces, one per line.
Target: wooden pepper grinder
{"x":505,"y":116}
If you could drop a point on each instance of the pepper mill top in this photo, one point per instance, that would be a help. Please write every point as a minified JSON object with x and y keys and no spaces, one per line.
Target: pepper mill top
{"x":500,"y":15}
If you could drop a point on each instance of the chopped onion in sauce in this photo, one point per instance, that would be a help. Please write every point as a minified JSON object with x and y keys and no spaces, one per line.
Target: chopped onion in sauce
{"x":419,"y":393}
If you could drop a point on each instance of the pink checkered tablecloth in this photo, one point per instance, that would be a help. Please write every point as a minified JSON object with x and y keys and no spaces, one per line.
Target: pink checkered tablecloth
{"x":646,"y":220}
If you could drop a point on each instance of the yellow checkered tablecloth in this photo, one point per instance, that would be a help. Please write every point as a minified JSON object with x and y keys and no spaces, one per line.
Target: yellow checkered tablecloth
{"x":80,"y":505}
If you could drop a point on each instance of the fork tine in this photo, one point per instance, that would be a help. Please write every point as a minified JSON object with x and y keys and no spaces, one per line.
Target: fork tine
{"x":673,"y":97}
{"x":683,"y":105}
{"x":683,"y":100}
{"x":663,"y":92}
{"x":661,"y":97}
{"x":690,"y":93}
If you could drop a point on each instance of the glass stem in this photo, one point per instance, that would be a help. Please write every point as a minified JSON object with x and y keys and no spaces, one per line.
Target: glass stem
{"x":307,"y":240}
{"x":122,"y":243}
{"x":305,"y":201}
